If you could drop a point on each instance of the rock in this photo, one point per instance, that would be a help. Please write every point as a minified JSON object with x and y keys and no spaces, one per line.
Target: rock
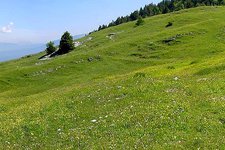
{"x":76,"y":44}
{"x":166,"y":41}
{"x":90,"y":59}
{"x":94,"y":120}
{"x":202,"y":79}
{"x":89,"y":38}
{"x":111,"y":34}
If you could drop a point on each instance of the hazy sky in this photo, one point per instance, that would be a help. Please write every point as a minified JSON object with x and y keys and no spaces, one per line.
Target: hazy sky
{"x":43,"y":20}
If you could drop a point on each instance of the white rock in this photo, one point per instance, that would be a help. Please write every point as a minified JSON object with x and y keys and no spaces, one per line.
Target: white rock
{"x":94,"y":120}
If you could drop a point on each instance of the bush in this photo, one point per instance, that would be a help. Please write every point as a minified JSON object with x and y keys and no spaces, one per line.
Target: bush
{"x":50,"y":47}
{"x":139,"y":22}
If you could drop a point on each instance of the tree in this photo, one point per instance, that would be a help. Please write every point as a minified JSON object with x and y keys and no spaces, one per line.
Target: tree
{"x":134,"y":15}
{"x":112,"y":24}
{"x":50,"y":48}
{"x":221,"y":2}
{"x":66,"y":43}
{"x":179,"y":6}
{"x":142,"y":13}
{"x":104,"y":27}
{"x":171,"y":6}
{"x":140,"y":21}
{"x":118,"y":21}
{"x":99,"y":28}
{"x":155,"y":10}
{"x":189,"y":4}
{"x":166,"y":7}
{"x":127,"y":18}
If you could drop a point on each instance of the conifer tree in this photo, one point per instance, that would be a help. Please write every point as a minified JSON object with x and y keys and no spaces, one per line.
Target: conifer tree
{"x":134,"y":15}
{"x":66,"y":43}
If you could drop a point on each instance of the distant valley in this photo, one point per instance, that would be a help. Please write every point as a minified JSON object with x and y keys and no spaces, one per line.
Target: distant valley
{"x":10,"y":51}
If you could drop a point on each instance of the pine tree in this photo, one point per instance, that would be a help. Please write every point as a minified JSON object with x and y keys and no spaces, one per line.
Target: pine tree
{"x":221,"y":2}
{"x":172,"y":6}
{"x":179,"y":6}
{"x":66,"y":43}
{"x":104,"y":27}
{"x":118,"y":21}
{"x":189,"y":4}
{"x":50,"y":48}
{"x":134,"y":15}
{"x":155,"y":10}
{"x":112,"y":24}
{"x":99,"y":28}
{"x":142,"y":13}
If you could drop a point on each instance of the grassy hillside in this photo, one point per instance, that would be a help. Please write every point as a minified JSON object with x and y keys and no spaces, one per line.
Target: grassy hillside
{"x":146,"y":87}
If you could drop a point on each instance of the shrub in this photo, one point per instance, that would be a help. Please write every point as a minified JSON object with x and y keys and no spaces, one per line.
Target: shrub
{"x":139,"y":22}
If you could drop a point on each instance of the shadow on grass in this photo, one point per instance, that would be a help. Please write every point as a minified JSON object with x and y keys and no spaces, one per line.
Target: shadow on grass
{"x":211,"y":70}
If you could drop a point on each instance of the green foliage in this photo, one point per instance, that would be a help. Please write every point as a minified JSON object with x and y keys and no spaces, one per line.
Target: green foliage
{"x":139,"y":22}
{"x":221,"y":2}
{"x":66,"y":43}
{"x":102,"y":27}
{"x":134,"y":15}
{"x":50,"y":48}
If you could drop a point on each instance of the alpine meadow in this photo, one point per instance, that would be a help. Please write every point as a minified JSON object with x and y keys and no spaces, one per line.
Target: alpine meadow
{"x":151,"y":83}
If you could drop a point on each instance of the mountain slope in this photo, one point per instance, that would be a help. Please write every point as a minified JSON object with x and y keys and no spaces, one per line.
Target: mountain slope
{"x":126,"y":87}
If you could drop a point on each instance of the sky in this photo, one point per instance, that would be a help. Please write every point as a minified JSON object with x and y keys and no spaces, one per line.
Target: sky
{"x":39,"y":21}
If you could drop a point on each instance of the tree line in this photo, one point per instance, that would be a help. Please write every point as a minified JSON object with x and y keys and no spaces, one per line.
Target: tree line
{"x":165,"y":6}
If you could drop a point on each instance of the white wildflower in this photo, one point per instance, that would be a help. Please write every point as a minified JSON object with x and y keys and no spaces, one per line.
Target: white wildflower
{"x":119,"y":87}
{"x":176,"y":78}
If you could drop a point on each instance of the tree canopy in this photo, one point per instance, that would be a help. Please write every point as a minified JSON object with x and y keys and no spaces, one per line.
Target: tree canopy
{"x":50,"y":48}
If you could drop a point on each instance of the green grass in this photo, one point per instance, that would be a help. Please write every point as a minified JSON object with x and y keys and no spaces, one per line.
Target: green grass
{"x":139,"y":92}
